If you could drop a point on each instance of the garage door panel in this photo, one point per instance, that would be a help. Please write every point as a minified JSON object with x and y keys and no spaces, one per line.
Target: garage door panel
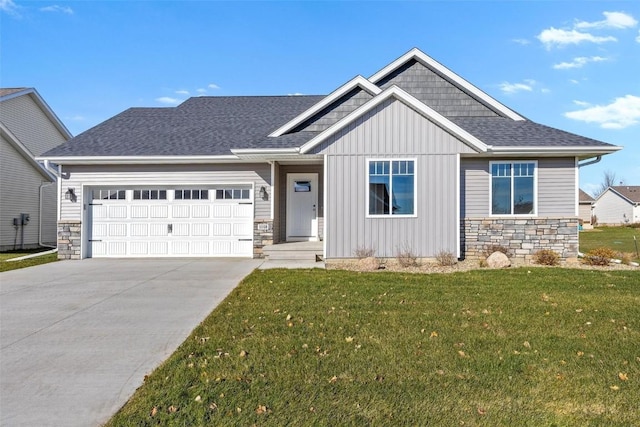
{"x":139,"y":211}
{"x":200,"y":229}
{"x":161,"y":211}
{"x":242,"y":229}
{"x":117,"y":248}
{"x":117,"y":212}
{"x":158,"y":248}
{"x":200,"y":211}
{"x":139,"y":248}
{"x":180,"y":211}
{"x":243,"y":211}
{"x":139,"y":230}
{"x":139,"y":226}
{"x":117,"y":230}
{"x":222,"y":211}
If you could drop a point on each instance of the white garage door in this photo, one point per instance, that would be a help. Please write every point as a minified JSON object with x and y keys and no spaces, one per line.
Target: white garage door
{"x":171,"y":222}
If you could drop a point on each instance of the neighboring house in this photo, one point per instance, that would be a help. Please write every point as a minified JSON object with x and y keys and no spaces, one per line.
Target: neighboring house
{"x":585,"y":210}
{"x":28,"y":191}
{"x":412,"y":158}
{"x":618,"y":205}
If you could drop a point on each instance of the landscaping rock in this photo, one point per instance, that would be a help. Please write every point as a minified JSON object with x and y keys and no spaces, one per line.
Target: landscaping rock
{"x":368,"y":264}
{"x":498,"y":260}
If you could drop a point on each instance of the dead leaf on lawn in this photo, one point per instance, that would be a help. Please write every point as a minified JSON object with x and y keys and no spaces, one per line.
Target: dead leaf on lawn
{"x":333,"y":379}
{"x":243,"y":353}
{"x":154,"y":411}
{"x":461,"y":353}
{"x":433,"y":334}
{"x":623,"y":376}
{"x":481,"y":411}
{"x":198,"y":398}
{"x":526,"y":344}
{"x":349,"y":339}
{"x":614,"y":387}
{"x":213,"y":406}
{"x":261,"y":409}
{"x":172,"y":409}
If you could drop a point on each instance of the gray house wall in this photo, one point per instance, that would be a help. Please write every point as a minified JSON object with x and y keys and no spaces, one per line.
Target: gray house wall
{"x":392,"y":130}
{"x":556,"y":180}
{"x":435,"y":91}
{"x":612,"y":209}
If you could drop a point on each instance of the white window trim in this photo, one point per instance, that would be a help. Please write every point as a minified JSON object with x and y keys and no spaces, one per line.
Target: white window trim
{"x":415,"y":186}
{"x":535,"y":189}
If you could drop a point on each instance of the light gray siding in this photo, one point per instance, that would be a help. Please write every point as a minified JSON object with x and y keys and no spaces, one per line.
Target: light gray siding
{"x":280,"y":223}
{"x":392,"y":130}
{"x":556,"y":187}
{"x":435,"y":91}
{"x":334,"y":112}
{"x":24,"y":118}
{"x":612,"y":209}
{"x":585,"y":212}
{"x":79,"y":177}
{"x":20,"y":193}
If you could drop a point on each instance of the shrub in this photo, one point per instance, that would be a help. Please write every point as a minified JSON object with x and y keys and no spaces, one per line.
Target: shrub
{"x":445,"y":258}
{"x":546,"y":257}
{"x":634,"y":225}
{"x":406,"y":257}
{"x":600,"y":256}
{"x":363,"y":252}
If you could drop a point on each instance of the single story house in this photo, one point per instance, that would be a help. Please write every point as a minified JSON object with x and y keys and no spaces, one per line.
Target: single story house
{"x":585,"y":210}
{"x":618,"y":205}
{"x":412,"y":158}
{"x":28,"y":191}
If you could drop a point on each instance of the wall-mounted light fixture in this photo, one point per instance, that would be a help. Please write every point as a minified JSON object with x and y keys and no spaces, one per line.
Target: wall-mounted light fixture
{"x":263,"y":193}
{"x":70,"y":194}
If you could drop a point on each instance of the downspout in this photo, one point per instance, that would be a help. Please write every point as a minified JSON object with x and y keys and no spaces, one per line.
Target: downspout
{"x":590,"y":162}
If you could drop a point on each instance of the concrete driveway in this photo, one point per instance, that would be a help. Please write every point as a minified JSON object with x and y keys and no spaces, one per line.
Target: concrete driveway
{"x":78,"y":337}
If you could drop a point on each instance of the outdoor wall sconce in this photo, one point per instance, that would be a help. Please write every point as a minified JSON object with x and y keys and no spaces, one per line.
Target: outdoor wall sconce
{"x":70,"y":194}
{"x":263,"y":193}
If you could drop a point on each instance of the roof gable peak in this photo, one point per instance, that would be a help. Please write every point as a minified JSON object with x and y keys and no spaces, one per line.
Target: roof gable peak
{"x":417,"y":55}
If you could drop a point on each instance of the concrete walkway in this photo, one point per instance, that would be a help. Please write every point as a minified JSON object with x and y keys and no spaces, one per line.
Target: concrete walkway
{"x":77,"y":337}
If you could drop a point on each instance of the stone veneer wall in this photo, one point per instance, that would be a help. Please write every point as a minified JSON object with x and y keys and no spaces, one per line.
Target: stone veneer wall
{"x":262,"y":236}
{"x":69,"y":239}
{"x":523,"y":237}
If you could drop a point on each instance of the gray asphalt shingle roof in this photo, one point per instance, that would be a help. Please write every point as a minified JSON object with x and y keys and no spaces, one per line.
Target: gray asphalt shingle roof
{"x":214,"y":125}
{"x":199,"y":126}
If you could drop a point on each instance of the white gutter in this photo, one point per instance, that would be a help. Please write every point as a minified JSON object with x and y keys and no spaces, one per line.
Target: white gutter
{"x":136,"y":160}
{"x":590,"y":162}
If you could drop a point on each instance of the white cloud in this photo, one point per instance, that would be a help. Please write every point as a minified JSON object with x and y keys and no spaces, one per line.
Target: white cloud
{"x":621,"y":113}
{"x":201,"y":90}
{"x":182,"y":92}
{"x":9,"y":7}
{"x":638,"y":38}
{"x":213,"y":86}
{"x":617,"y":20}
{"x":57,"y":8}
{"x":76,"y":118}
{"x":527,"y":85}
{"x":168,"y":100}
{"x":523,"y":42}
{"x":557,"y":37}
{"x":574,"y":81}
{"x":578,"y":62}
{"x":582,"y":103}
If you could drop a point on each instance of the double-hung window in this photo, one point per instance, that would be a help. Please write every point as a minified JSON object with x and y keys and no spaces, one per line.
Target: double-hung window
{"x":513,"y":188}
{"x":392,"y":187}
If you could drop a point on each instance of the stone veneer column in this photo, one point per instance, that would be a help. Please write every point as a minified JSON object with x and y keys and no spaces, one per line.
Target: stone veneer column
{"x":522,"y":237}
{"x":262,"y":236}
{"x":69,"y":239}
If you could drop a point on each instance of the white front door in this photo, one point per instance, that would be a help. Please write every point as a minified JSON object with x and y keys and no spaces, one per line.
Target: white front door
{"x":302,"y":206}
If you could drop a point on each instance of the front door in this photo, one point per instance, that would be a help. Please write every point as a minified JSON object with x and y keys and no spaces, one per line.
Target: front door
{"x":302,"y":206}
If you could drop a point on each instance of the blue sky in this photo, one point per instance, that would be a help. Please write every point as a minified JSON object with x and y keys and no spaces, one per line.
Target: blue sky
{"x":574,"y":65}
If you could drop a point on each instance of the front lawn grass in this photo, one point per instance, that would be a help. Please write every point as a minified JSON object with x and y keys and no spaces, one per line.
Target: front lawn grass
{"x":620,"y":239}
{"x":6,"y":265}
{"x":518,"y":347}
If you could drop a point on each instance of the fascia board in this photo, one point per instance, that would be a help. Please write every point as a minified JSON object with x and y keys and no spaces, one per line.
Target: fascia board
{"x":241,"y":151}
{"x":357,"y":81}
{"x":574,"y":151}
{"x":138,"y":160}
{"x":415,"y":104}
{"x":429,"y":62}
{"x":24,"y":152}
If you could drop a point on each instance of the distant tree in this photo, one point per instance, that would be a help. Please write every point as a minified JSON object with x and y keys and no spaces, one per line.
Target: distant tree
{"x":608,"y":180}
